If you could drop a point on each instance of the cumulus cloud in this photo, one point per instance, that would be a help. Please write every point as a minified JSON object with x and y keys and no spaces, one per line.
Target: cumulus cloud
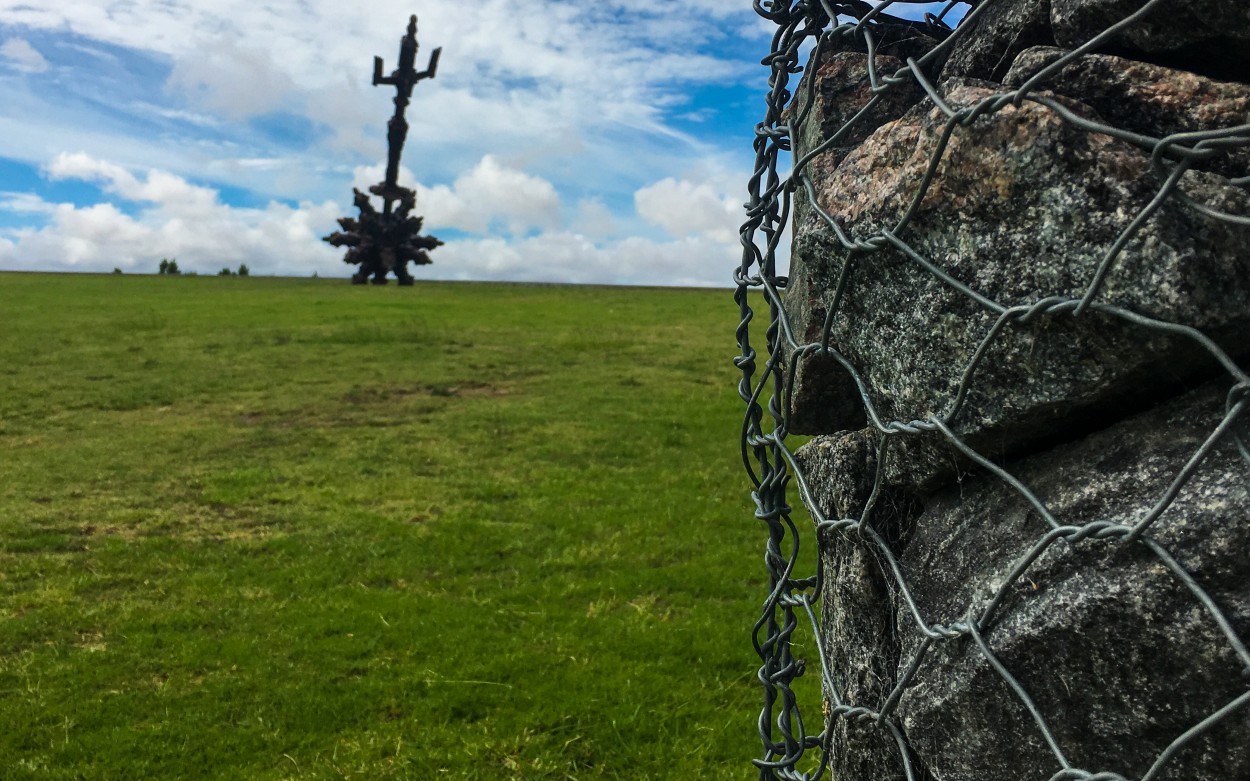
{"x":695,"y":261}
{"x":277,"y":239}
{"x":684,"y":208}
{"x":493,"y":194}
{"x":22,"y":56}
{"x":175,"y":218}
{"x":489,"y":196}
{"x":169,"y":191}
{"x":594,"y":219}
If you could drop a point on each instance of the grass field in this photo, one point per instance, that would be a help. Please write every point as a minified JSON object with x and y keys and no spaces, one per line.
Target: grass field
{"x":279,"y":528}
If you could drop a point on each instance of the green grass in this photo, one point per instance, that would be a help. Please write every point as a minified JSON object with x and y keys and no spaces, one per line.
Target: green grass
{"x":277,"y":528}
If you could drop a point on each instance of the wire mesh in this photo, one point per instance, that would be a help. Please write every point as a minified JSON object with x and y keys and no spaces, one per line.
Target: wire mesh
{"x":791,"y":748}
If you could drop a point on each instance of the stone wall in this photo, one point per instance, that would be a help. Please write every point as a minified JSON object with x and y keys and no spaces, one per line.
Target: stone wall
{"x":1020,"y":320}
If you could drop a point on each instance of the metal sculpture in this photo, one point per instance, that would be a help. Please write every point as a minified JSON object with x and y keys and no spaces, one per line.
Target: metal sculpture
{"x":386,"y":241}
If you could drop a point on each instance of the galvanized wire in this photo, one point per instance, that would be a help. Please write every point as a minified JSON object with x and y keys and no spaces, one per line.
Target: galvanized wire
{"x":789,"y":734}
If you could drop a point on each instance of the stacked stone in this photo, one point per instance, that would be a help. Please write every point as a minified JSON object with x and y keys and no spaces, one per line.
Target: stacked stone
{"x":1069,"y":298}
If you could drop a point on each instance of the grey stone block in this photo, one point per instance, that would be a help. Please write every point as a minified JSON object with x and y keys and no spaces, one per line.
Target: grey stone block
{"x":989,"y":42}
{"x":1204,"y":36}
{"x":1148,"y":99}
{"x":1023,"y":206}
{"x":1118,"y":655}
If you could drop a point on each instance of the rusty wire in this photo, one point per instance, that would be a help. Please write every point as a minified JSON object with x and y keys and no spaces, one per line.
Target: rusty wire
{"x":785,"y":725}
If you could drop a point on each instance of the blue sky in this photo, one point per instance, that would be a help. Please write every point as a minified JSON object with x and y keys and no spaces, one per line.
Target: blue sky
{"x":561,"y":141}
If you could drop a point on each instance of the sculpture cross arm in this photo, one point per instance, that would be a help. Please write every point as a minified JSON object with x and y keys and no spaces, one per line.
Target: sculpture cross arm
{"x":396,"y":79}
{"x":432,"y":68}
{"x":405,"y":75}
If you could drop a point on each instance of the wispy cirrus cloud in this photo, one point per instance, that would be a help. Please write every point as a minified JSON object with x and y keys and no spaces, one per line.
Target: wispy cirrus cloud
{"x":17,"y":53}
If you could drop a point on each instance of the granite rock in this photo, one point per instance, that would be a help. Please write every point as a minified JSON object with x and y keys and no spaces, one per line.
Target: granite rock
{"x":1024,"y":206}
{"x":1204,"y":36}
{"x":1095,"y":413}
{"x":1144,"y":98}
{"x":857,"y":618}
{"x":840,"y":88}
{"x":837,"y":85}
{"x":990,"y":41}
{"x":1119,"y":656}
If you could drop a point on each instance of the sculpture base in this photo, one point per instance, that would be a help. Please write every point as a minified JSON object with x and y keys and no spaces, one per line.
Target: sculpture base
{"x":385,"y":242}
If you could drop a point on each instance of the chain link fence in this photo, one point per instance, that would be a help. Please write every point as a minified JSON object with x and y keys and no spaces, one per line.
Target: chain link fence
{"x":798,"y":737}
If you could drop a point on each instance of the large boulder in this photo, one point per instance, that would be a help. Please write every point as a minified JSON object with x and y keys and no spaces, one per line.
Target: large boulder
{"x":1118,"y":654}
{"x":836,"y":89}
{"x":857,"y":619}
{"x":1205,"y":36}
{"x":1144,"y":98}
{"x":1211,"y":37}
{"x":1122,"y":644}
{"x":838,"y":84}
{"x":989,"y":40}
{"x":1023,"y":206}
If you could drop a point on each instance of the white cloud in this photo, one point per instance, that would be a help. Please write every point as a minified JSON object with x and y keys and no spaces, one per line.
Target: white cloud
{"x":175,"y":219}
{"x":490,"y":195}
{"x":237,"y":80}
{"x":543,"y":111}
{"x":104,"y":57}
{"x":184,"y":221}
{"x":686,"y":208}
{"x":512,"y":71}
{"x":695,"y":261}
{"x":594,"y":219}
{"x":180,"y":115}
{"x":277,"y":239}
{"x":172,"y":192}
{"x":24,"y":203}
{"x":22,"y":56}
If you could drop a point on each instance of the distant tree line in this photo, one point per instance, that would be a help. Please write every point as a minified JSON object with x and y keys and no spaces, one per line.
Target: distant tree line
{"x":170,"y":266}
